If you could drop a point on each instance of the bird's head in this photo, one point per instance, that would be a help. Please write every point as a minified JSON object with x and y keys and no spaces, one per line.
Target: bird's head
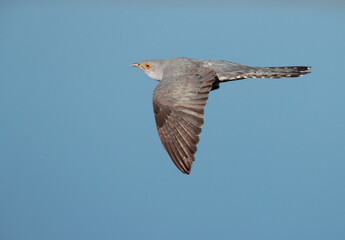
{"x":152,"y":68}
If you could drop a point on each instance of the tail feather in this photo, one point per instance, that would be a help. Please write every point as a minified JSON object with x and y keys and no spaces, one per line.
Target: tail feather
{"x":279,"y":72}
{"x":243,"y":72}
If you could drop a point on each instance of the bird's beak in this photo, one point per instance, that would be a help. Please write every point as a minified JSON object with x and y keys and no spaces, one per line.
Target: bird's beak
{"x":136,"y":65}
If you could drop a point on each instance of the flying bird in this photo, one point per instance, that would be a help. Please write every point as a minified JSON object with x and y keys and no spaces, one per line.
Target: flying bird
{"x":182,"y":93}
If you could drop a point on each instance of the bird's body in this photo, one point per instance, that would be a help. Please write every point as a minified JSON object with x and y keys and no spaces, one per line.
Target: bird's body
{"x":182,"y":94}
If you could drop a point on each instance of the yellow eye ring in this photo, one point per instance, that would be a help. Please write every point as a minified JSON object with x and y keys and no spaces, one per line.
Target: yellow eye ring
{"x":147,"y":65}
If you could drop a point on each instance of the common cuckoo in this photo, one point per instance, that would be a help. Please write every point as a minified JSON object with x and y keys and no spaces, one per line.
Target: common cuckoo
{"x":181,"y":95}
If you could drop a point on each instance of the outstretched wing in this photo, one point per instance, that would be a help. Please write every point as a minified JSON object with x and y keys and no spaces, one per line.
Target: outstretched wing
{"x":178,"y":103}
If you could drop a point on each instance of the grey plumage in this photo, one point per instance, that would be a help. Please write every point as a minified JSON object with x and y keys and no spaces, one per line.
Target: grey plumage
{"x":180,"y":97}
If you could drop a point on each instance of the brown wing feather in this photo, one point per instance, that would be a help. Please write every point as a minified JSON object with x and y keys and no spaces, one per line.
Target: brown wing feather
{"x":178,"y":103}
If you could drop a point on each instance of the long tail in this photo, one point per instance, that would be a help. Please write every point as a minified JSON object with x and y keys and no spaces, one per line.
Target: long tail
{"x":278,"y":72}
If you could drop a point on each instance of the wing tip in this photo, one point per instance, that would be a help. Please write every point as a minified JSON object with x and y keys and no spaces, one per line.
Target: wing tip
{"x":187,"y":172}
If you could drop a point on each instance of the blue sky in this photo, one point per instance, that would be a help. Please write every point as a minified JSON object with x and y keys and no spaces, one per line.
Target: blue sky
{"x":80,"y":157}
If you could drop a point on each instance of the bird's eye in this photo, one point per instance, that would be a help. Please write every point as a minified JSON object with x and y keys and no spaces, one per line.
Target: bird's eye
{"x":147,"y":65}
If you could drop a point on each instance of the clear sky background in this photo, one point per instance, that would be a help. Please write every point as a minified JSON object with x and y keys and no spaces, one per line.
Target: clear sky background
{"x":80,"y":157}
